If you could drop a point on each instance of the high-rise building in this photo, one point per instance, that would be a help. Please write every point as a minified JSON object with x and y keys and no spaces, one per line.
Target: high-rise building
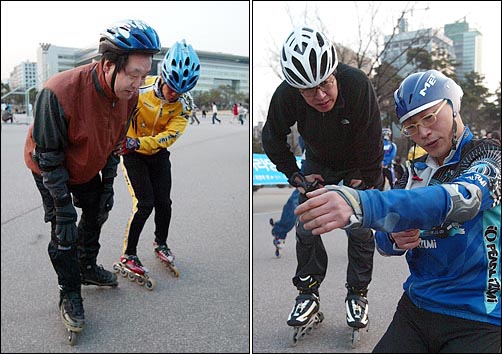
{"x":431,"y":40}
{"x":23,"y":76}
{"x":467,"y":46}
{"x":216,"y":68}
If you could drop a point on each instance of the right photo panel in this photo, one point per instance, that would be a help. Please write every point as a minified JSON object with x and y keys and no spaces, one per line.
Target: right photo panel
{"x":376,"y":146}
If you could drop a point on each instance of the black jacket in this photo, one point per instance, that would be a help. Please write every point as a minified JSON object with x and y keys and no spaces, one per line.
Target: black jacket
{"x":346,"y":138}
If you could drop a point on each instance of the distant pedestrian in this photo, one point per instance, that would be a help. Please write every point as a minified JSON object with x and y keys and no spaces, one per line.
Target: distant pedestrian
{"x":242,"y":113}
{"x":203,"y":113}
{"x":193,"y":115}
{"x":7,"y":114}
{"x":215,"y":113}
{"x":235,"y":111}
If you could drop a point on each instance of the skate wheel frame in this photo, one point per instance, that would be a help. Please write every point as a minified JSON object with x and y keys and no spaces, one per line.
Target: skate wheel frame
{"x":356,"y":335}
{"x":301,"y":331}
{"x":174,"y":270}
{"x":141,"y":280}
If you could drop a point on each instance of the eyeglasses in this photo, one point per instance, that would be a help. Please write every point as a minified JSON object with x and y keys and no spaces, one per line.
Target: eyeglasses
{"x":323,"y":86}
{"x":425,"y":122}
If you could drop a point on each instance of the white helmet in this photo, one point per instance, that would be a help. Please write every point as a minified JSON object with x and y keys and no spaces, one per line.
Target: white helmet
{"x":307,"y":58}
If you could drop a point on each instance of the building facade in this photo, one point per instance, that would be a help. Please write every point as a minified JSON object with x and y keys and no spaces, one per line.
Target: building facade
{"x":467,"y":46}
{"x":431,"y":40}
{"x":23,"y":76}
{"x":216,"y":68}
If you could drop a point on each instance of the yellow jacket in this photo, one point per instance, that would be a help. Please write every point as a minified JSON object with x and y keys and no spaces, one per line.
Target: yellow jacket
{"x":157,"y":123}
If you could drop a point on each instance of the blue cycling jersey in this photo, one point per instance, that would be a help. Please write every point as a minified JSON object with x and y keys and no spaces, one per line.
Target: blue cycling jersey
{"x":455,"y":270}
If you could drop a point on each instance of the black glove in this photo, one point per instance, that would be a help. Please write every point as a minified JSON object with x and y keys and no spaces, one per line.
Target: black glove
{"x":66,"y":217}
{"x":298,"y":180}
{"x":106,"y":198}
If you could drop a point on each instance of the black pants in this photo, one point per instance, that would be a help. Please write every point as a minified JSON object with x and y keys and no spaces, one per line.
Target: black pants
{"x":68,"y":261}
{"x":149,"y":182}
{"x":414,"y":330}
{"x":310,"y":252}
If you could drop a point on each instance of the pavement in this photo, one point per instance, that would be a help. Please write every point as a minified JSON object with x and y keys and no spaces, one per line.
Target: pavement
{"x":206,"y":309}
{"x":274,"y":293}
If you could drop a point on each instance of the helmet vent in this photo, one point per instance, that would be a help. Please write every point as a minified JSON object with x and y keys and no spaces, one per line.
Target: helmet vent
{"x":298,"y":65}
{"x":293,"y":76}
{"x":320,"y":40}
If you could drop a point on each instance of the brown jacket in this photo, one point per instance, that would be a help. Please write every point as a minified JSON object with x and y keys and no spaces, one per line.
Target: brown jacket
{"x":77,"y":113}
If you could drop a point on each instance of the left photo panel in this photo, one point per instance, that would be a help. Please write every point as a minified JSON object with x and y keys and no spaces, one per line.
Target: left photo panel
{"x":125,"y":177}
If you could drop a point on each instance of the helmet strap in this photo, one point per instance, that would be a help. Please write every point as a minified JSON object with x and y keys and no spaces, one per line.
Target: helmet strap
{"x":160,"y":89}
{"x":114,"y":76}
{"x":415,"y":176}
{"x":454,"y":137}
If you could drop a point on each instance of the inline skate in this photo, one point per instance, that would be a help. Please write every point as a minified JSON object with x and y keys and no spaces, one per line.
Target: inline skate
{"x":71,"y":310}
{"x":130,"y":266}
{"x":278,"y":242}
{"x":356,"y":305}
{"x":166,"y":256}
{"x":305,"y":316}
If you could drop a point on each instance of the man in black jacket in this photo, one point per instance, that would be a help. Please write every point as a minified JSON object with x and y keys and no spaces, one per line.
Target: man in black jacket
{"x":336,"y":112}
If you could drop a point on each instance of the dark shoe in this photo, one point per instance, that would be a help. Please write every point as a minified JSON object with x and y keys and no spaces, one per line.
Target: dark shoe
{"x":97,"y":275}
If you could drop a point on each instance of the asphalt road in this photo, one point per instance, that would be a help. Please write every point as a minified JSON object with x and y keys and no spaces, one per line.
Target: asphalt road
{"x":274,"y":293}
{"x":206,"y":309}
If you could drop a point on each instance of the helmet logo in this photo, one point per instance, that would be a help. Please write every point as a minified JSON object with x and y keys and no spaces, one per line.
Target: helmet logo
{"x":431,"y":80}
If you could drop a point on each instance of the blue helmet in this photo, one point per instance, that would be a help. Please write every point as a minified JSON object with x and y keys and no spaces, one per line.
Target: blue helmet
{"x":181,"y":67}
{"x":130,"y":36}
{"x":423,"y":90}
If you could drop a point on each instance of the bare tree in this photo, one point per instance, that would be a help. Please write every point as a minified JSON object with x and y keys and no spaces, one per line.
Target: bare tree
{"x":371,"y":54}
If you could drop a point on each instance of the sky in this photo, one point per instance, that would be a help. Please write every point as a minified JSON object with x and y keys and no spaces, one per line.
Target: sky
{"x":273,"y":21}
{"x":216,"y":26}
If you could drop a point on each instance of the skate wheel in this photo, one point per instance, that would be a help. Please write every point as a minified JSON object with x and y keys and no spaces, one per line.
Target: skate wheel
{"x":123,"y":272}
{"x":116,"y":268}
{"x":72,"y":337}
{"x":320,"y":316}
{"x":277,"y":254}
{"x":131,"y":277}
{"x":150,"y":284}
{"x":174,"y":270}
{"x":294,"y":339}
{"x":356,"y":336}
{"x":140,"y":281}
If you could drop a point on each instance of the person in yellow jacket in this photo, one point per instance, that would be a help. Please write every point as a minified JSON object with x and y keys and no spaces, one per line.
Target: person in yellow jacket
{"x":162,"y":113}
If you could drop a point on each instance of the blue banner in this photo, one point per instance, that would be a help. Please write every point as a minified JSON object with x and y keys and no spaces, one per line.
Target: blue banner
{"x":265,"y":173}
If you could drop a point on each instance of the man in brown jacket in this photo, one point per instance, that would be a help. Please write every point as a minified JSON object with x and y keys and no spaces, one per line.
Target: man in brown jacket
{"x":80,"y":117}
